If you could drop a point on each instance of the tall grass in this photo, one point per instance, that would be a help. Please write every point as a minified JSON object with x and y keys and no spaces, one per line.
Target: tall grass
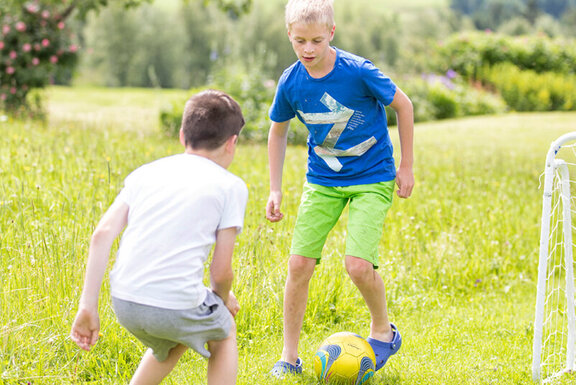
{"x":458,"y":257}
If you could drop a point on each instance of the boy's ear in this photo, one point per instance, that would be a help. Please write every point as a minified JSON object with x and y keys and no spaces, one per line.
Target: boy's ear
{"x":182,"y":139}
{"x":332,"y":32}
{"x":231,"y":143}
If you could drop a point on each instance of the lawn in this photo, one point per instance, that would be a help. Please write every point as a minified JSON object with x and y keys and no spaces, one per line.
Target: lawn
{"x":459,"y":257}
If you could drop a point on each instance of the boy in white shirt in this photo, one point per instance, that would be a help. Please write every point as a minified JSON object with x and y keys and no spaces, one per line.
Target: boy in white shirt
{"x":174,"y":210}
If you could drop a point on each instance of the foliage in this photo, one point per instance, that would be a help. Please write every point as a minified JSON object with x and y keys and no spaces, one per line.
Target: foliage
{"x":83,"y":7}
{"x":131,"y":53}
{"x":467,"y":53}
{"x":245,"y":81}
{"x":446,"y":96}
{"x":531,"y":91}
{"x":531,"y":73}
{"x":35,"y":45}
{"x":32,"y":44}
{"x":492,"y":13}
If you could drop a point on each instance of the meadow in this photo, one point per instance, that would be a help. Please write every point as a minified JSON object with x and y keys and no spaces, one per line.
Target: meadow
{"x":458,"y":258}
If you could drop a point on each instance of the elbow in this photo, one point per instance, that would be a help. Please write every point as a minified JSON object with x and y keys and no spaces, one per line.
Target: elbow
{"x":101,"y":235}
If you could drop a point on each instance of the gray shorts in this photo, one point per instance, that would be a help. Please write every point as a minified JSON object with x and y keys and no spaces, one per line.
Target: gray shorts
{"x":163,"y":329}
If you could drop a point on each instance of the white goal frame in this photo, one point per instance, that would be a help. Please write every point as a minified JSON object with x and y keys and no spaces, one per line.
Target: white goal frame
{"x":554,"y":344}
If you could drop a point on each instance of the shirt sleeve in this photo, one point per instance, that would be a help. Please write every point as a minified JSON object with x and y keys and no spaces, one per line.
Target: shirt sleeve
{"x":378,"y":84}
{"x":281,"y":110}
{"x":235,"y":207}
{"x":125,"y":195}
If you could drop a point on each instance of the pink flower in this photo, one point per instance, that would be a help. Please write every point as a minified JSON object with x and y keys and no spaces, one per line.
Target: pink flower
{"x":35,"y":61}
{"x":37,"y":47}
{"x":54,"y":59}
{"x":26,"y":47}
{"x":10,"y":70}
{"x":45,"y":42}
{"x":20,"y":26}
{"x":32,"y":8}
{"x":45,"y":14}
{"x":5,"y":29}
{"x":3,"y":97}
{"x":61,"y":25}
{"x":13,"y":55}
{"x":1,"y":45}
{"x":13,"y":90}
{"x":73,"y":48}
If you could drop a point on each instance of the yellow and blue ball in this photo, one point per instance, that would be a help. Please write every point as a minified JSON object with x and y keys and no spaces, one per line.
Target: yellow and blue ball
{"x":345,"y":358}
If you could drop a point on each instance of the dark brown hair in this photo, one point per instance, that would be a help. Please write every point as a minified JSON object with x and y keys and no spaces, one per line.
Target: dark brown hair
{"x":210,"y":118}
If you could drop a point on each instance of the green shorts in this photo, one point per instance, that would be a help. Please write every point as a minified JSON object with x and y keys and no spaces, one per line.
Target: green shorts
{"x":321,"y":207}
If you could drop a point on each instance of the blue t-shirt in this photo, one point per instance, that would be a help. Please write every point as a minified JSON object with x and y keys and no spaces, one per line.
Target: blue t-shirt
{"x":348,"y":141}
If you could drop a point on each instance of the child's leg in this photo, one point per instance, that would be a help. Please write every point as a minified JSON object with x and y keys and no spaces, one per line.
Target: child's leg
{"x":300,"y":270}
{"x":151,"y":371}
{"x":223,"y":361}
{"x":371,"y":287}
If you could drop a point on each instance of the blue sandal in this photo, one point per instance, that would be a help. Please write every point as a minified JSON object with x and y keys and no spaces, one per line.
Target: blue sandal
{"x":383,"y":350}
{"x":281,"y":368}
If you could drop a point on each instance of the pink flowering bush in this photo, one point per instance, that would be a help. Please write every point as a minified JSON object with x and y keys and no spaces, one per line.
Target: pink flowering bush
{"x":33,"y":42}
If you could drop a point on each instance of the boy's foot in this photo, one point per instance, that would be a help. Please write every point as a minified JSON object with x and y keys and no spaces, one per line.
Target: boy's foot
{"x":383,"y":350}
{"x":281,"y":368}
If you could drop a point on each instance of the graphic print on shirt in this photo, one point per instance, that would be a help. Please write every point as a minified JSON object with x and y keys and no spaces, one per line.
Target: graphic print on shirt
{"x":339,"y":116}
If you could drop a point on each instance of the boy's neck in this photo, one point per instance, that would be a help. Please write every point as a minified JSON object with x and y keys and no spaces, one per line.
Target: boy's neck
{"x":217,"y":156}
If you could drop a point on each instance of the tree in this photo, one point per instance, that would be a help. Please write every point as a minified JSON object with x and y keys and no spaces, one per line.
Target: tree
{"x":35,"y":41}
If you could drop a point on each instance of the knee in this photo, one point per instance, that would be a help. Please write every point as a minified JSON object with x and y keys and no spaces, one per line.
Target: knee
{"x":359,"y":269}
{"x":300,"y":267}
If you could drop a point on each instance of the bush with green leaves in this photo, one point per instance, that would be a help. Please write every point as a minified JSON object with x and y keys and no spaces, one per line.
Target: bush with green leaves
{"x":531,"y":91}
{"x":32,"y":43}
{"x":468,"y":53}
{"x":446,"y":96}
{"x":246,"y":83}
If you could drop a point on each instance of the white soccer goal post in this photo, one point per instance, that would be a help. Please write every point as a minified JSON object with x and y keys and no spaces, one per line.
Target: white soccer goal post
{"x":554,"y":348}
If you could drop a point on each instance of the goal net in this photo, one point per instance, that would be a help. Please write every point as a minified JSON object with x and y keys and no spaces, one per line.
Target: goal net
{"x":554,"y":345}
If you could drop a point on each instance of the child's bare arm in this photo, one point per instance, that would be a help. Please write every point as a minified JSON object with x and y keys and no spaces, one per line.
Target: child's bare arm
{"x":277,"y":142}
{"x":86,"y":327}
{"x":405,"y":117}
{"x":221,"y":273}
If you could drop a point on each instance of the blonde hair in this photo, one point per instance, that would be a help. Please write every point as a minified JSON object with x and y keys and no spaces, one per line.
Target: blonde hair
{"x":310,"y":12}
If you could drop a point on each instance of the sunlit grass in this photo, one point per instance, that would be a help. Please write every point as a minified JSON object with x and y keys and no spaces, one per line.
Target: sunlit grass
{"x":459,"y":257}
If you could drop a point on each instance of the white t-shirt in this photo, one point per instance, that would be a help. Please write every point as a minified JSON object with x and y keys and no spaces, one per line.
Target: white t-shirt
{"x":176,"y":205}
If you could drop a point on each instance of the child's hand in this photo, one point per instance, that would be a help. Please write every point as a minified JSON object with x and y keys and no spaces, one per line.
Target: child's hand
{"x":232,"y":304}
{"x":86,"y":328}
{"x":405,"y":182}
{"x":273,"y":213}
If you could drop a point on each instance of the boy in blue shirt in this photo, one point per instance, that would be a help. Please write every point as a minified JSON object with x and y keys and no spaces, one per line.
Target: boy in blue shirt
{"x":340,"y":98}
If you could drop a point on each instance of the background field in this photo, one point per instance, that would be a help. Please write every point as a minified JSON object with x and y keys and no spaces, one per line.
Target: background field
{"x":458,"y":257}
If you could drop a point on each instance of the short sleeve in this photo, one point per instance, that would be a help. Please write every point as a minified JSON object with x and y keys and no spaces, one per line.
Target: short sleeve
{"x":125,"y":195}
{"x":235,"y":206}
{"x":378,"y":84}
{"x":281,"y":110}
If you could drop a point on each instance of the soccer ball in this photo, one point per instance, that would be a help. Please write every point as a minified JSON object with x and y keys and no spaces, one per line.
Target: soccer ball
{"x":345,"y":358}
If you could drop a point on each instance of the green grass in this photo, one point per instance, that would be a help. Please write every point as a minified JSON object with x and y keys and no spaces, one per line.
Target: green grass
{"x":459,"y":257}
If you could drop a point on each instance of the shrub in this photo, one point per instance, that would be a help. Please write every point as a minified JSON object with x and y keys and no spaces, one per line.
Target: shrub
{"x":447,"y":96}
{"x":32,"y":43}
{"x":531,"y":91}
{"x":468,"y":53}
{"x":246,"y":83}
